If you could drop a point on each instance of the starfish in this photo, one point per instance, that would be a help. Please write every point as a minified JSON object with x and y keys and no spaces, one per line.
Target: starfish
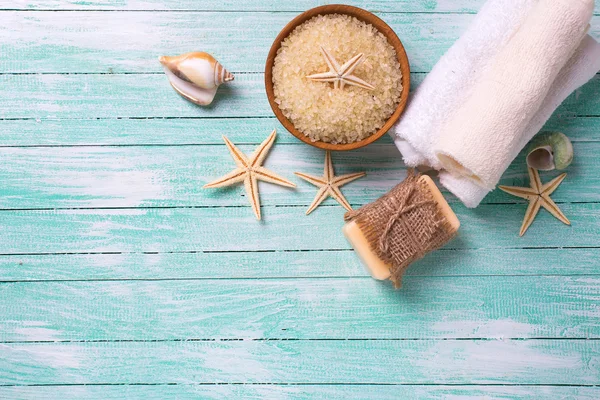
{"x":538,"y":195}
{"x":329,"y":184}
{"x":250,"y":170}
{"x":341,"y":75}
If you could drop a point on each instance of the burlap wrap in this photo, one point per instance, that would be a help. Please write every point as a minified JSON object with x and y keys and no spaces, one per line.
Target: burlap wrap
{"x":403,"y":225}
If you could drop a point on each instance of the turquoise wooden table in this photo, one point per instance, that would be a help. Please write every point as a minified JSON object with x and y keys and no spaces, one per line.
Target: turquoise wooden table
{"x":121,"y":278}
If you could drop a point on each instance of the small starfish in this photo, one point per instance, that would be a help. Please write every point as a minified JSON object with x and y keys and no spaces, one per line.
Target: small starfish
{"x":329,"y":184}
{"x":341,"y":75}
{"x":250,"y":171}
{"x":538,"y":195}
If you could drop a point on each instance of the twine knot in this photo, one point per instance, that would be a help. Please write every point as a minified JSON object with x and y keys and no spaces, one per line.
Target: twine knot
{"x":403,"y":209}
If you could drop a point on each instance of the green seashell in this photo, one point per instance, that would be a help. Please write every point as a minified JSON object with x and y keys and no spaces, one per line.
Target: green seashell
{"x":550,"y":150}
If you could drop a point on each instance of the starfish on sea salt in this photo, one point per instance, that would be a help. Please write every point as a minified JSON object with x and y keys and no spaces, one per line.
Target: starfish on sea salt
{"x":250,"y":170}
{"x":341,"y":75}
{"x":329,"y":184}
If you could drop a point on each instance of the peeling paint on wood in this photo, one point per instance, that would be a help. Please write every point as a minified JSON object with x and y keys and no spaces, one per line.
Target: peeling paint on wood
{"x":317,"y":361}
{"x":120,"y":278}
{"x":142,"y":96}
{"x":499,"y":307}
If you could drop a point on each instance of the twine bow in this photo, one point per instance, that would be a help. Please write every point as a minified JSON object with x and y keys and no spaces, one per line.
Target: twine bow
{"x":403,"y":209}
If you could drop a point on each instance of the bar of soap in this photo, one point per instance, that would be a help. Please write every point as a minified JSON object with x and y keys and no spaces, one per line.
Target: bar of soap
{"x":375,"y":265}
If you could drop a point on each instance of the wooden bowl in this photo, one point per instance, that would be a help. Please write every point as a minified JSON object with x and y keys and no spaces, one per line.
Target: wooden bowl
{"x":361,"y":15}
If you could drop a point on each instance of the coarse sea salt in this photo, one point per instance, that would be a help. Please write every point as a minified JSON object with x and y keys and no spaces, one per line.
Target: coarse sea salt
{"x":317,"y":109}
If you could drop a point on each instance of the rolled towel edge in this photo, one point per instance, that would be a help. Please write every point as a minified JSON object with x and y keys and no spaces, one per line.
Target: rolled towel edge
{"x":468,"y":192}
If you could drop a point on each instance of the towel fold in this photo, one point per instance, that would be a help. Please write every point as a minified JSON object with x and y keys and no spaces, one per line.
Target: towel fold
{"x":451,"y":80}
{"x":582,"y":67}
{"x":495,"y":88}
{"x":482,"y":137}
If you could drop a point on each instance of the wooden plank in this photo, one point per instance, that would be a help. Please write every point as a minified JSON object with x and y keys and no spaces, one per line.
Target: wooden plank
{"x":156,"y":176}
{"x":124,"y":96}
{"x":409,"y":6}
{"x":282,"y":228}
{"x":181,"y":131}
{"x":117,"y":96}
{"x":68,"y":42}
{"x":388,"y":361}
{"x":177,"y":131}
{"x":345,"y":308}
{"x":284,"y":264}
{"x":274,"y":391}
{"x":142,"y":96}
{"x":174,"y":176}
{"x":251,"y":5}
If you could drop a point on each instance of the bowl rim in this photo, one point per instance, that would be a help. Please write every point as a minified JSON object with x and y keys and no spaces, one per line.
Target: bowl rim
{"x":361,"y":15}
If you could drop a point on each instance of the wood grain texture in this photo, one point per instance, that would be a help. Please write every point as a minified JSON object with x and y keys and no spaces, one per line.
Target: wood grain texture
{"x":117,"y":42}
{"x":283,"y":228}
{"x":189,"y":280}
{"x":400,"y":6}
{"x":185,"y":131}
{"x":291,"y":264}
{"x":174,"y":176}
{"x":157,"y":176}
{"x":381,"y":361}
{"x":293,"y":392}
{"x":143,"y":96}
{"x":345,"y":308}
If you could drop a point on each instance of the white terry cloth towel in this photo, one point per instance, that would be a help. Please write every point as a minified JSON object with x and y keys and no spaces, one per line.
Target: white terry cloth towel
{"x":450,"y":81}
{"x":483,"y":135}
{"x":582,"y":67}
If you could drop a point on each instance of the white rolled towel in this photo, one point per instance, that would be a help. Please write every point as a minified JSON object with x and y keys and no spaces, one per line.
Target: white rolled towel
{"x":582,"y":67}
{"x":452,"y":79}
{"x":483,"y":135}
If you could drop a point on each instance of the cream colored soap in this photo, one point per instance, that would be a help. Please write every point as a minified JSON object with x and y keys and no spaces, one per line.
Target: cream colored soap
{"x":376,"y":266}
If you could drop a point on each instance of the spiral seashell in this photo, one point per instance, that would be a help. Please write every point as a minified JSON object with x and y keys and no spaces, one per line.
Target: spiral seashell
{"x":196,"y":76}
{"x":550,"y":150}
